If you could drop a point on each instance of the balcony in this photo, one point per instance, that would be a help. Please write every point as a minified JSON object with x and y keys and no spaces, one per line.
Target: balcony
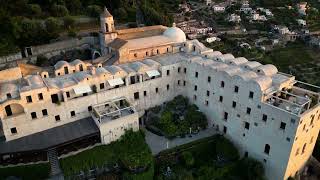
{"x":111,"y":110}
{"x":296,"y":100}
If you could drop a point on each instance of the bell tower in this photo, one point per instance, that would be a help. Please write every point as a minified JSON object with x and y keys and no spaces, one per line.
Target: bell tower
{"x":106,"y":22}
{"x":107,"y":31}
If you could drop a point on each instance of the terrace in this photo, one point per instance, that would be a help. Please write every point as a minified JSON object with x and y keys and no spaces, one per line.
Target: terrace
{"x":111,"y":110}
{"x":298,"y":99}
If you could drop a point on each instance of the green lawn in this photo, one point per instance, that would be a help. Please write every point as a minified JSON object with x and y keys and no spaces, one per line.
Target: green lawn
{"x":26,"y":172}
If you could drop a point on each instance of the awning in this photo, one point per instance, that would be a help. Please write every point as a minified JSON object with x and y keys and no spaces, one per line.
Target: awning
{"x":115,"y":82}
{"x":153,"y":73}
{"x":82,"y":89}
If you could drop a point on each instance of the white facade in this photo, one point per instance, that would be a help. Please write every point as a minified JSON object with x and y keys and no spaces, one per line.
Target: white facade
{"x":260,"y":109}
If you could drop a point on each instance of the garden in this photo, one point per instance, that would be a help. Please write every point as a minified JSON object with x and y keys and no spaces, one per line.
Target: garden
{"x":209,"y":158}
{"x":127,"y":158}
{"x":34,"y":172}
{"x":175,"y":118}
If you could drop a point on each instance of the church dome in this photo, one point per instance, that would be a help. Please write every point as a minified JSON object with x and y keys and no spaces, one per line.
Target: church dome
{"x":175,"y":34}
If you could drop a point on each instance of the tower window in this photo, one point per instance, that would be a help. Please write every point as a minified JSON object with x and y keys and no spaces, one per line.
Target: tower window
{"x":195,"y":88}
{"x":208,"y":93}
{"x":196,"y":74}
{"x":168,"y":86}
{"x":179,"y":69}
{"x":57,"y":118}
{"x":157,"y":90}
{"x":168,"y":72}
{"x":206,"y":103}
{"x":209,"y":79}
{"x":185,"y":70}
{"x":304,"y":148}
{"x":225,"y":116}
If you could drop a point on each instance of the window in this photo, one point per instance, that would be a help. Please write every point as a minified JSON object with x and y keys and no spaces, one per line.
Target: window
{"x":40,"y":96}
{"x":145,"y":93}
{"x":293,"y":121}
{"x":195,"y":97}
{"x":196,"y":75}
{"x":283,"y":125}
{"x":29,"y":99}
{"x":66,"y":71}
{"x":234,"y":104}
{"x":264,"y":118}
{"x":33,"y":115}
{"x":311,"y":140}
{"x":58,"y":74}
{"x":167,"y":49}
{"x":102,"y":86}
{"x":135,"y":55}
{"x":54,"y":98}
{"x":89,"y":108}
{"x":207,"y":103}
{"x":184,"y":83}
{"x":73,"y":114}
{"x":297,"y":151}
{"x":195,"y":88}
{"x":185,"y":70}
{"x":168,"y":72}
{"x":157,"y":51}
{"x":44,"y":112}
{"x":178,"y":82}
{"x":248,"y":110}
{"x":68,"y":94}
{"x":225,"y":116}
{"x":222,"y":84}
{"x":85,"y":94}
{"x":236,"y":89}
{"x":147,"y":53}
{"x":246,"y":154}
{"x":57,"y":118}
{"x":208,"y":93}
{"x":157,"y":90}
{"x":224,"y":129}
{"x":136,"y":95}
{"x":250,"y":94}
{"x":246,"y":125}
{"x":14,"y":130}
{"x":81,"y":67}
{"x":8,"y":96}
{"x":267,"y":149}
{"x":304,"y":148}
{"x":221,"y":98}
{"x":179,"y":69}
{"x":168,"y":86}
{"x":209,"y":79}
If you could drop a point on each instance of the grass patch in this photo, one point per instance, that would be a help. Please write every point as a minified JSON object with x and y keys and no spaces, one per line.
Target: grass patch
{"x":26,"y":172}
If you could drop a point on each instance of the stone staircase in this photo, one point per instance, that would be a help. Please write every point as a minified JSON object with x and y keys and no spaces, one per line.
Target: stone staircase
{"x":55,"y":172}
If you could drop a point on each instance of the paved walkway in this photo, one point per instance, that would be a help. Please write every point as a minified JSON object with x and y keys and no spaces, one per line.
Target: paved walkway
{"x":160,"y":143}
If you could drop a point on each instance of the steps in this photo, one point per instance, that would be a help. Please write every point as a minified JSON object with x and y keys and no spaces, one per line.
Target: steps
{"x":56,"y":172}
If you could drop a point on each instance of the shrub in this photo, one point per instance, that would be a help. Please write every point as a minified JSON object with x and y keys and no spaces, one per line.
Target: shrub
{"x":187,"y":158}
{"x":34,"y":9}
{"x":226,"y":149}
{"x":69,"y":22}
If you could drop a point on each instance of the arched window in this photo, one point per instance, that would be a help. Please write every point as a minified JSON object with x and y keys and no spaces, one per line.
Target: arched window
{"x":167,"y":49}
{"x":147,"y":53}
{"x":81,"y":67}
{"x":157,"y":51}
{"x":267,"y":149}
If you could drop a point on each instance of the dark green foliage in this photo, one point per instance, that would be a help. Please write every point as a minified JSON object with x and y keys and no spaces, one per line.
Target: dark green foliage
{"x":69,"y":22}
{"x":53,"y":27}
{"x":187,"y":158}
{"x":131,"y":151}
{"x":41,"y":60}
{"x":34,"y":172}
{"x":59,"y":11}
{"x":226,"y":150}
{"x":34,"y":10}
{"x":250,"y":169}
{"x":94,"y":11}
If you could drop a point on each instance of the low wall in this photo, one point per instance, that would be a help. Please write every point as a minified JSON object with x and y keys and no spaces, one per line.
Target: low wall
{"x":10,"y":58}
